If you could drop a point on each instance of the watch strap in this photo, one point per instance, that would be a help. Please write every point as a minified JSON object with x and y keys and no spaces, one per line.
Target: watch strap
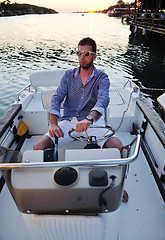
{"x":90,"y":118}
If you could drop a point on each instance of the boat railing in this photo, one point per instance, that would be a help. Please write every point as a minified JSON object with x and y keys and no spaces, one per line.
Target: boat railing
{"x":43,"y":79}
{"x":131,"y":84}
{"x":22,"y":90}
{"x":85,"y":163}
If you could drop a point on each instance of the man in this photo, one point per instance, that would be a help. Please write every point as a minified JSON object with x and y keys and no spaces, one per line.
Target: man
{"x":86,"y":93}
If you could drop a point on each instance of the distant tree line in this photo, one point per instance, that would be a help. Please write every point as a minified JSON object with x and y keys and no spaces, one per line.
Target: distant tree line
{"x":8,"y":9}
{"x":119,"y":4}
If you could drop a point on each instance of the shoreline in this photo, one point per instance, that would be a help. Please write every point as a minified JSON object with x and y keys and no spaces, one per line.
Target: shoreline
{"x":16,"y":9}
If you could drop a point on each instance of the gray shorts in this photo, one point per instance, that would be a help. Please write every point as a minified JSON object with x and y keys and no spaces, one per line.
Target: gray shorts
{"x":66,"y":125}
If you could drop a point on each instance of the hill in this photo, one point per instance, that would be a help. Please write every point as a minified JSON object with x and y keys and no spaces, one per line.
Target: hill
{"x":8,"y":9}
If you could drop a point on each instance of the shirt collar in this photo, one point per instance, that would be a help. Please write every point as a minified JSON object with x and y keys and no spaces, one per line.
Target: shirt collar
{"x":94,"y":73}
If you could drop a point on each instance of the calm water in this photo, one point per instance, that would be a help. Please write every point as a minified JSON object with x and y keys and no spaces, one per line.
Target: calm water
{"x":37,"y":42}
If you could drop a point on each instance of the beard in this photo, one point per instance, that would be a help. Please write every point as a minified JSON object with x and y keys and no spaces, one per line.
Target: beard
{"x":86,"y":66}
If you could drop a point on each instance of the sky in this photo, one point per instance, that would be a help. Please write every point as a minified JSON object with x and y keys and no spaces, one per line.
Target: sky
{"x":72,"y":5}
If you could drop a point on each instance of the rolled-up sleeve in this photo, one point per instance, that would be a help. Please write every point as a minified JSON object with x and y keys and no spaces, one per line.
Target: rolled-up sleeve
{"x":59,"y":96}
{"x":103,"y":94}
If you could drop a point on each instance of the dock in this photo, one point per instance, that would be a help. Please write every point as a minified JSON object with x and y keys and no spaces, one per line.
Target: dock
{"x":148,"y":18}
{"x":149,"y":23}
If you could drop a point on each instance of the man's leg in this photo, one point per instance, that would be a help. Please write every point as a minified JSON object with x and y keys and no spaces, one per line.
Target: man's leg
{"x":43,"y":143}
{"x":48,"y":142}
{"x":113,"y":142}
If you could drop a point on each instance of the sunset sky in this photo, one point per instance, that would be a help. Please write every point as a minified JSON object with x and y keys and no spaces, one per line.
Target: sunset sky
{"x":72,"y":5}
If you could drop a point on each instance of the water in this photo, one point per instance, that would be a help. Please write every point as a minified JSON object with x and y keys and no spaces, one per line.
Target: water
{"x":45,"y":42}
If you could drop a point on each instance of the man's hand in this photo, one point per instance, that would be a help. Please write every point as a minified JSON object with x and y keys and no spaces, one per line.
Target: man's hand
{"x":55,"y":130}
{"x":82,"y":125}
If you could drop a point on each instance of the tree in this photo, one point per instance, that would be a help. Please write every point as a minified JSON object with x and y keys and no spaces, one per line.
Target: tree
{"x":5,"y":2}
{"x":120,"y":2}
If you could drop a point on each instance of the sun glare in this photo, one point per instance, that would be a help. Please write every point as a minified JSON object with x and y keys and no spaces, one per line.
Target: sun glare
{"x":91,"y":10}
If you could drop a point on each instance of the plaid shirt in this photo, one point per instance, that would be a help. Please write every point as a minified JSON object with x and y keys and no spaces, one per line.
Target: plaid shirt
{"x":79,"y":100}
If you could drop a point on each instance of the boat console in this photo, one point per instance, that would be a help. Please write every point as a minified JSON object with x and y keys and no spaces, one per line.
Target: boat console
{"x":69,"y":189}
{"x":87,"y":181}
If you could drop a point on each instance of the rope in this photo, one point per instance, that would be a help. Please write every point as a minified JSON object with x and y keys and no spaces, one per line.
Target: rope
{"x":134,"y":90}
{"x":152,"y":89}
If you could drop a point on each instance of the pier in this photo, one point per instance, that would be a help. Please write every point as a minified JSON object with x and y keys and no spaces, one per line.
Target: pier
{"x":149,"y":18}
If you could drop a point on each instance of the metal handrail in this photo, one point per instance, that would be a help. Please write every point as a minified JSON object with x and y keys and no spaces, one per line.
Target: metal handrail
{"x":83,"y":163}
{"x":18,"y":95}
{"x":131,"y":84}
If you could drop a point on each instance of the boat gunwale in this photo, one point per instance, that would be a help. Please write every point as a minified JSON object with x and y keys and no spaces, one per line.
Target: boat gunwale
{"x":7,"y":119}
{"x":153,"y":118}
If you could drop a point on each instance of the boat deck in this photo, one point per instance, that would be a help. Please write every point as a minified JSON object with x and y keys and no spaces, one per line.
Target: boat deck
{"x":144,"y":214}
{"x":141,"y":218}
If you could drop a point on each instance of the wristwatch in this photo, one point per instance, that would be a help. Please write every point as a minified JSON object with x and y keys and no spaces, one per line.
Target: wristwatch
{"x":90,"y":118}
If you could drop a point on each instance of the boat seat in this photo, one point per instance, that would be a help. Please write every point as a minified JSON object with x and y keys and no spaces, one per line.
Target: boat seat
{"x":68,"y":227}
{"x":46,"y":97}
{"x":45,"y":84}
{"x":118,"y":104}
{"x":115,"y":98}
{"x":46,"y":79}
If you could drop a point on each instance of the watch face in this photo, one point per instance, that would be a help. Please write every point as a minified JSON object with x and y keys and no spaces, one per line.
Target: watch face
{"x":89,"y":118}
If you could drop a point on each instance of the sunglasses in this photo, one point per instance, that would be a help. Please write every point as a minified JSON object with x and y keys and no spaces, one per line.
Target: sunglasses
{"x":86,"y":53}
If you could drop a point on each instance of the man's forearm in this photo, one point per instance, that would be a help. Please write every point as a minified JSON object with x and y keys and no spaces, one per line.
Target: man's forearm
{"x":53,"y":119}
{"x":54,"y":129}
{"x":95,"y":114}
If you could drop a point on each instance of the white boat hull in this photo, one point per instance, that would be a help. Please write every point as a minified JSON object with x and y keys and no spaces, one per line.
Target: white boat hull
{"x":38,"y":208}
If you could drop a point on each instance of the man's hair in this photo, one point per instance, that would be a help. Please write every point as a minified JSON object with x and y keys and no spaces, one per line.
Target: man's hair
{"x":88,"y":41}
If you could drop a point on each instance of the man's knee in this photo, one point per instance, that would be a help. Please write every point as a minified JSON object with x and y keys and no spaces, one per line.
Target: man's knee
{"x":43,"y":143}
{"x":37,"y":147}
{"x":113,"y":142}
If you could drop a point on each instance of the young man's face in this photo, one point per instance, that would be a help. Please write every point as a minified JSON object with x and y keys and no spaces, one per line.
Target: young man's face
{"x":86,"y":61}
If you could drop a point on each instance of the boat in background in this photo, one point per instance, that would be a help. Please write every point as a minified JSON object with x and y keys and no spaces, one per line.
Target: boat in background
{"x":119,"y":12}
{"x":76,"y":192}
{"x":161,"y":107}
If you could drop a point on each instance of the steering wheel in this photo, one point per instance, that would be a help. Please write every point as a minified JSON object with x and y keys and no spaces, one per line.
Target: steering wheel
{"x":93,"y":138}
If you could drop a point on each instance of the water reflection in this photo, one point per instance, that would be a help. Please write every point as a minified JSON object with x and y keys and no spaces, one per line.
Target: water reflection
{"x":147,"y":60}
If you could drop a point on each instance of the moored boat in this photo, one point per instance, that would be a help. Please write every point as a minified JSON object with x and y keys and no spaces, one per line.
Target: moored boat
{"x":78,"y":195}
{"x":161,"y":106}
{"x":119,"y":12}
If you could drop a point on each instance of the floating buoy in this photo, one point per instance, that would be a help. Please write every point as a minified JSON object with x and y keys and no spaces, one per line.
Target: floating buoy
{"x":144,"y":32}
{"x":135,"y":29}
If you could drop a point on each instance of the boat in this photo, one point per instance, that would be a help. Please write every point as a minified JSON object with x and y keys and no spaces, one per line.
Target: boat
{"x":161,"y":106}
{"x":75,"y":192}
{"x":110,"y":13}
{"x":119,"y":12}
